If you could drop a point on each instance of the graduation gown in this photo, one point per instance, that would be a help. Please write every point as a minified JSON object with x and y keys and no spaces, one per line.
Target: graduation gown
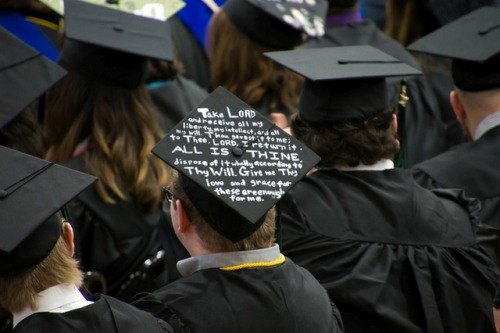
{"x":283,"y":298}
{"x":393,"y":256}
{"x":105,"y":315}
{"x":175,"y":99}
{"x":474,"y":167}
{"x":114,"y":240}
{"x":426,"y":133}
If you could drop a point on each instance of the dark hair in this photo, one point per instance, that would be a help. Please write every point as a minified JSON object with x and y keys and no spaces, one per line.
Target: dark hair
{"x":349,"y":143}
{"x":24,"y":133}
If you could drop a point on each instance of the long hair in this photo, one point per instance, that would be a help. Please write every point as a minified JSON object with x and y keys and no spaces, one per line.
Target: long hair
{"x":121,"y":126}
{"x":238,"y":65}
{"x":20,"y":291}
{"x":215,"y":242}
{"x":349,"y":143}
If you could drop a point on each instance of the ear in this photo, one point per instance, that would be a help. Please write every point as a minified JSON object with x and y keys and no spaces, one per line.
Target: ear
{"x":183,"y":222}
{"x":69,"y":238}
{"x":457,"y":106}
{"x":394,"y":123}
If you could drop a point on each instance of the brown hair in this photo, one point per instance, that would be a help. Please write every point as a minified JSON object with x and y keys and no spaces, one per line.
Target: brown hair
{"x":238,"y":65}
{"x":121,"y":126}
{"x":20,"y":290}
{"x":23,"y":133}
{"x":349,"y":143}
{"x":215,"y":242}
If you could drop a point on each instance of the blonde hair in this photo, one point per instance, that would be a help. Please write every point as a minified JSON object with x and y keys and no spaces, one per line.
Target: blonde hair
{"x":215,"y":242}
{"x":20,"y":291}
{"x":238,"y":65}
{"x":121,"y":125}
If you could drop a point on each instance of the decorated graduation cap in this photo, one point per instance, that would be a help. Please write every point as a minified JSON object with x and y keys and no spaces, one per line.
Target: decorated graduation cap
{"x":234,"y":164}
{"x":25,"y":75}
{"x":472,"y":41}
{"x":278,"y":23}
{"x":113,"y":45}
{"x":343,"y":83}
{"x":32,"y":191}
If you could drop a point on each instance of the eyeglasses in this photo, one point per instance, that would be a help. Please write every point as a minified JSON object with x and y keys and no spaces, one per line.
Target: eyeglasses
{"x":168,"y":195}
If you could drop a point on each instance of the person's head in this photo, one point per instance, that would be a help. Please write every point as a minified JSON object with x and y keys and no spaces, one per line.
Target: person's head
{"x":36,"y":245}
{"x":59,"y":267}
{"x":233,"y":166}
{"x":241,"y":31}
{"x":25,"y":75}
{"x":345,"y":112}
{"x":350,"y":142}
{"x":238,"y":65}
{"x":470,"y":42}
{"x":104,"y":102}
{"x":186,"y":219}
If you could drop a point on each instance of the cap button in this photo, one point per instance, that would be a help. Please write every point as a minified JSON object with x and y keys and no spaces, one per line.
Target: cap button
{"x":3,"y":194}
{"x":118,"y":27}
{"x":237,"y":151}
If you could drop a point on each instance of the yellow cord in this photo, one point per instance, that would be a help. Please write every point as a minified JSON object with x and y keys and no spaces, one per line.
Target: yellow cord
{"x":43,"y":22}
{"x":255,"y":264}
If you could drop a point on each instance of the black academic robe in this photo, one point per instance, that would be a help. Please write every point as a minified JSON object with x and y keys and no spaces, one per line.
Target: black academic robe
{"x":474,"y":167}
{"x":114,"y":240}
{"x":175,"y":99}
{"x":392,"y":255}
{"x":426,"y":133}
{"x":106,"y":315}
{"x":283,"y":298}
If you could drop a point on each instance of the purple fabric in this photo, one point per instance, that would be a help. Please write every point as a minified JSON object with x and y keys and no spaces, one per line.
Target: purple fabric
{"x":342,"y":19}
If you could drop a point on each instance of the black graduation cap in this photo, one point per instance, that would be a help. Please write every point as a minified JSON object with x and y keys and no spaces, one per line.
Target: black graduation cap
{"x":278,"y":23}
{"x":343,"y":83}
{"x":472,"y":41}
{"x":25,"y":75}
{"x":32,"y":190}
{"x":111,"y":44}
{"x":234,"y":163}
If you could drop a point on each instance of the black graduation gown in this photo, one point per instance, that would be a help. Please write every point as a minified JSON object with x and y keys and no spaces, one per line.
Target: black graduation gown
{"x":392,"y":255}
{"x":283,"y":298}
{"x":427,"y":134}
{"x":114,"y":240}
{"x":175,"y":99}
{"x":105,"y":315}
{"x":473,"y":166}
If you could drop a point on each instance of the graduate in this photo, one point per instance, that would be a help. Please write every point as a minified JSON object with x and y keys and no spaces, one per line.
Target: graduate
{"x":39,"y":278}
{"x":394,"y":256}
{"x":232,"y":167}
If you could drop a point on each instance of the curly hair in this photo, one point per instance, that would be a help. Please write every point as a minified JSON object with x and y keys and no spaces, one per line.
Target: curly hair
{"x":349,"y":143}
{"x":215,"y":242}
{"x":238,"y":65}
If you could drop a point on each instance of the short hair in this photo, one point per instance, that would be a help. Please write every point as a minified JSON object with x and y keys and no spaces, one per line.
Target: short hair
{"x":20,"y":290}
{"x":215,"y":242}
{"x":349,"y":143}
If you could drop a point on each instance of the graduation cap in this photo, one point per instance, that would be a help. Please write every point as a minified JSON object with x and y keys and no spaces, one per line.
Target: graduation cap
{"x":25,"y":75}
{"x":343,"y":83}
{"x":278,"y":23}
{"x":113,"y":45}
{"x":234,"y":164}
{"x":32,"y":191}
{"x":472,"y":42}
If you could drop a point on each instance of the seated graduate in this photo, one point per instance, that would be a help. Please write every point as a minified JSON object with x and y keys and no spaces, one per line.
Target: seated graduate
{"x":100,"y":119}
{"x":471,"y":43}
{"x":39,"y":278}
{"x":25,"y":75}
{"x":394,"y":256}
{"x":222,"y":202}
{"x":241,"y":31}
